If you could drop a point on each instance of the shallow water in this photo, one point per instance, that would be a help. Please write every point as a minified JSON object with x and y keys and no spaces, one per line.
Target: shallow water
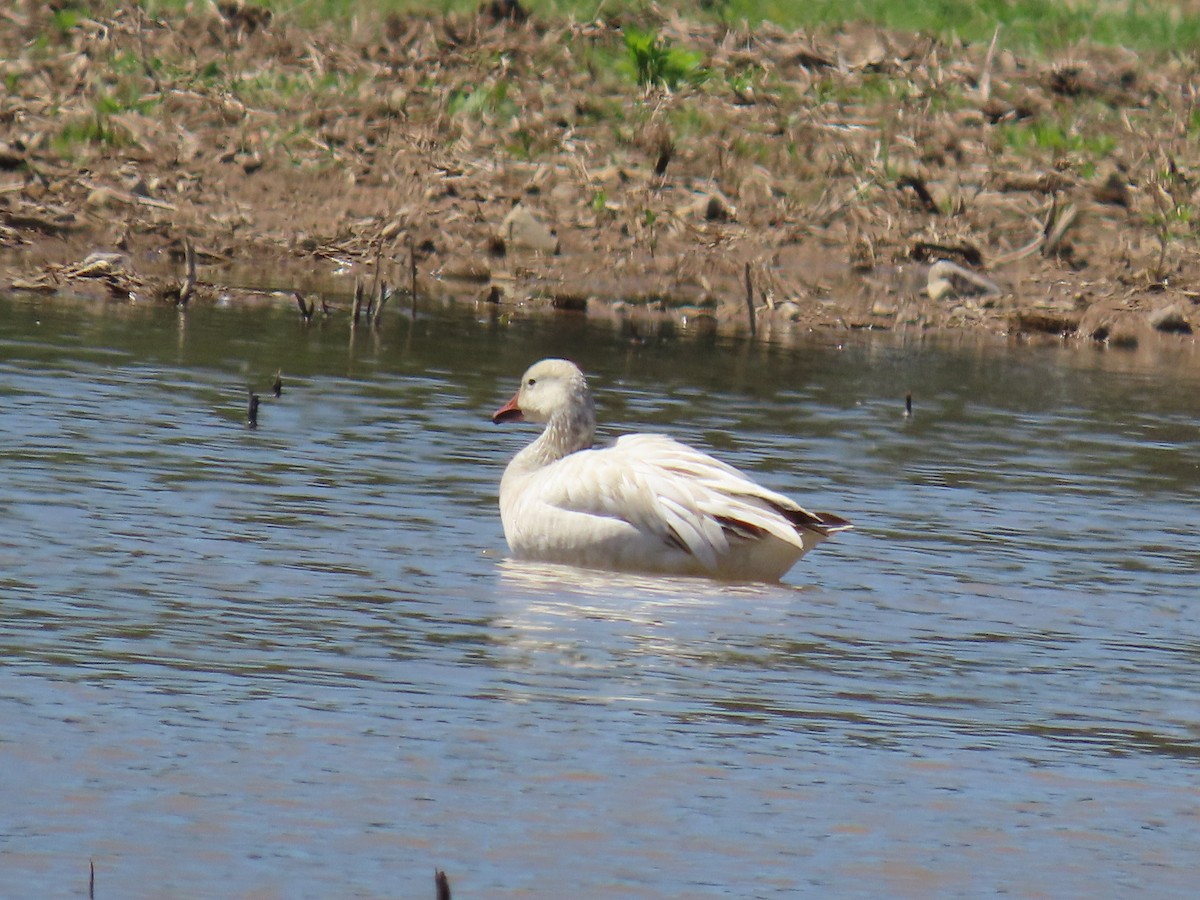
{"x":294,"y":661}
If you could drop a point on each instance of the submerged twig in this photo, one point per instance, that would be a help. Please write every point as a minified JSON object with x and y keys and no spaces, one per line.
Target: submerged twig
{"x":750,"y":302}
{"x":412,"y":273}
{"x":306,"y":310}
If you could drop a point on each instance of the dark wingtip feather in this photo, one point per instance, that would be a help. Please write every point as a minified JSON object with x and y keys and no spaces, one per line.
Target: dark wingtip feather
{"x":831,"y":524}
{"x":822,"y":522}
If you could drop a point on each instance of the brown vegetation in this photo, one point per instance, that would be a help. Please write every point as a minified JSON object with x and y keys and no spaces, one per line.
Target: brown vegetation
{"x":858,"y":179}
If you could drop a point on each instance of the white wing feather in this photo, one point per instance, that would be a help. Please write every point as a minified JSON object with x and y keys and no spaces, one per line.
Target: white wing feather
{"x":662,"y":487}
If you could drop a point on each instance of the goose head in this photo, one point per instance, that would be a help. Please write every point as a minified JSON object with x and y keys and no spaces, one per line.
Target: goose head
{"x":554,"y":392}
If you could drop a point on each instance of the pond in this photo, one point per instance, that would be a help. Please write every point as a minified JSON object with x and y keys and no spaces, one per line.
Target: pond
{"x":294,"y":661}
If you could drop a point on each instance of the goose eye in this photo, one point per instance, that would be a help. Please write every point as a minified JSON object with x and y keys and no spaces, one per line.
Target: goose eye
{"x":531,"y":382}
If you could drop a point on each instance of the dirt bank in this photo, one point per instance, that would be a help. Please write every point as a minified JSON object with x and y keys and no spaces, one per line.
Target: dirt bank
{"x":857,"y":179}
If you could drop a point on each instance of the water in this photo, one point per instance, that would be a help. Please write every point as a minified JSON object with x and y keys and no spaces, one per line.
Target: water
{"x":294,"y":662}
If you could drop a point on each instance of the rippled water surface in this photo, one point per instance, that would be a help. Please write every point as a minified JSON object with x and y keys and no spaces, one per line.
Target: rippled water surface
{"x":294,"y":661}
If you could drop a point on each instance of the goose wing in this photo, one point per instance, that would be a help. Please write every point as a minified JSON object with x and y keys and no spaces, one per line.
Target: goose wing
{"x":681,"y":496}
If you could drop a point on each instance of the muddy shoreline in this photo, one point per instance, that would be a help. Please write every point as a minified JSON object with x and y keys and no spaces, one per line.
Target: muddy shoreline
{"x":857,"y":179}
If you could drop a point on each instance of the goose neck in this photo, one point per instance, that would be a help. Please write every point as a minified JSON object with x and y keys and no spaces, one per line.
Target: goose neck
{"x":565,"y":433}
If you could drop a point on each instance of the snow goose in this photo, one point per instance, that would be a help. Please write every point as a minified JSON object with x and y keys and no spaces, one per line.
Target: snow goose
{"x":645,"y":503}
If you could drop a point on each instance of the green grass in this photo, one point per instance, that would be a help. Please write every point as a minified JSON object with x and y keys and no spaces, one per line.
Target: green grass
{"x":478,"y":101}
{"x":1059,"y":138}
{"x":98,"y":128}
{"x":85,"y":131}
{"x":690,"y":122}
{"x":1156,"y":26}
{"x":868,"y":89}
{"x":1153,"y":25}
{"x":751,"y":148}
{"x":656,"y":63}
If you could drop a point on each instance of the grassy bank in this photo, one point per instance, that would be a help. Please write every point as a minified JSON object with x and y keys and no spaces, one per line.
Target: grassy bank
{"x":1154,"y":26}
{"x":668,"y":156}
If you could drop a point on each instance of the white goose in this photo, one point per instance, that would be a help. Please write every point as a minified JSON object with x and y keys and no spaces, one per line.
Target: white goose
{"x":645,"y":503}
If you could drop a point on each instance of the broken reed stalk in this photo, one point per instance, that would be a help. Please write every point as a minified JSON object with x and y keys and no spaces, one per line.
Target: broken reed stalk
{"x":750,"y":302}
{"x":252,"y":410}
{"x":442,"y":884}
{"x":1058,"y":223}
{"x":666,"y":150}
{"x":920,"y":189}
{"x":188,"y":284}
{"x":147,"y":68}
{"x":383,"y":297}
{"x":306,"y":311}
{"x":985,"y":79}
{"x":1162,"y":203}
{"x":412,"y":273}
{"x":91,"y":879}
{"x":277,"y":385}
{"x":927,"y":251}
{"x":358,"y":300}
{"x":908,"y":405}
{"x":1054,"y":228}
{"x":378,"y":270}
